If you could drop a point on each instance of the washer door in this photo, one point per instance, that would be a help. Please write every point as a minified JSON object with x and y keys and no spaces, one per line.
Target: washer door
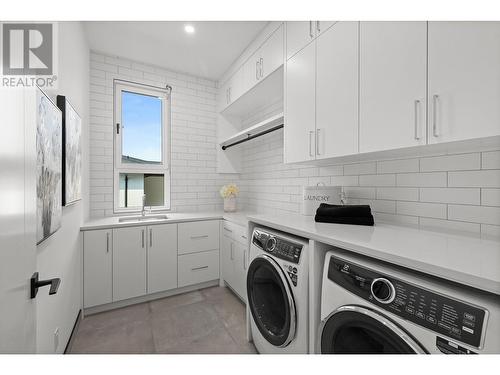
{"x":271,"y":301}
{"x":358,"y":330}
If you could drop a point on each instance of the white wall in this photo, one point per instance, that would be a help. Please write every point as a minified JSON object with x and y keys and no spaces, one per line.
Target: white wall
{"x":452,"y":192}
{"x":195,"y":183}
{"x":60,"y":255}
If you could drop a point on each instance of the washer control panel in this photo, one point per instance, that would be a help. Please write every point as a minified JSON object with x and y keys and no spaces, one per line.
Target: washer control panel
{"x":441,"y":314}
{"x":277,"y":246}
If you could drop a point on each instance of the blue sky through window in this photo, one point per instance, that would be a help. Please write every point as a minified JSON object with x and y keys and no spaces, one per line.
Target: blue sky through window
{"x":141,"y":124}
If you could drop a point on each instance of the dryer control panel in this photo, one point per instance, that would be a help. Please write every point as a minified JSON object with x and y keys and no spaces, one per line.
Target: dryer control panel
{"x":447,"y":316}
{"x":277,"y":246}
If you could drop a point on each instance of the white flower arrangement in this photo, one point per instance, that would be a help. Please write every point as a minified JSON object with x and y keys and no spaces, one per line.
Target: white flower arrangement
{"x":229,"y":191}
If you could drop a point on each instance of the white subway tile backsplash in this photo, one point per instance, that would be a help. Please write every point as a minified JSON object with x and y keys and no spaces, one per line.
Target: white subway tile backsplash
{"x":435,"y":210}
{"x":450,"y":195}
{"x":377,"y":180}
{"x":490,"y":231}
{"x":475,"y":214}
{"x":490,"y":197}
{"x":490,"y":160}
{"x":458,"y":227}
{"x":360,"y":192}
{"x":432,"y":179}
{"x":398,"y":193}
{"x":398,"y":166}
{"x":486,"y":178}
{"x":451,"y":163}
{"x":360,"y":168}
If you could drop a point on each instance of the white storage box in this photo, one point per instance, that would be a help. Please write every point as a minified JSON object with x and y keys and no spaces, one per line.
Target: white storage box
{"x":313,"y":196}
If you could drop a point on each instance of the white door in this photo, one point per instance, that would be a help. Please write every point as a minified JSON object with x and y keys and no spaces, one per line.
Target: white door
{"x":162,"y":257}
{"x":129,"y":262}
{"x":323,"y":26}
{"x":392,"y":92}
{"x":251,"y":72}
{"x":227,"y":256}
{"x":464,"y":80}
{"x":17,"y":222}
{"x":271,"y":53}
{"x":337,"y":91}
{"x":298,"y":34}
{"x":97,"y":267}
{"x":300,"y":106}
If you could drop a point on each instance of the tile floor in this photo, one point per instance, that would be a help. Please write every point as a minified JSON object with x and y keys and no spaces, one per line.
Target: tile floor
{"x":208,"y":321}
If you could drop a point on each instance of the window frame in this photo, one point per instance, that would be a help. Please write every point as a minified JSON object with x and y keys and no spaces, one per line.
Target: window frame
{"x":118,"y":166}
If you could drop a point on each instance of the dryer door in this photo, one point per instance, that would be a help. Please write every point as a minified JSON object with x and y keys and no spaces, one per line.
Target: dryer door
{"x":358,"y":330}
{"x":270,"y":300}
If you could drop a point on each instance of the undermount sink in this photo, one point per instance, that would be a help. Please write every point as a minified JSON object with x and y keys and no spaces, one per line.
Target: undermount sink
{"x":142,"y":218}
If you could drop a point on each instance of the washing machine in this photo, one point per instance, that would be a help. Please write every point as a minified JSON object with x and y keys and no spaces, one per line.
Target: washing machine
{"x":277,"y":290}
{"x":372,"y":307}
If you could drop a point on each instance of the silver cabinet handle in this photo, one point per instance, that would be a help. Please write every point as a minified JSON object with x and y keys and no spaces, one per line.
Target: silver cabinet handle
{"x":317,"y":142}
{"x":230,"y":95}
{"x":311,"y":132}
{"x":435,"y":99}
{"x":199,"y":268}
{"x":229,"y":230}
{"x":416,"y":135}
{"x":243,"y":236}
{"x":317,"y":27}
{"x":198,"y":237}
{"x":245,"y":260}
{"x":151,"y":237}
{"x":311,"y":29}
{"x":142,"y":234}
{"x":227,"y":96}
{"x":231,"y":256}
{"x":261,"y":67}
{"x":257,"y":70}
{"x":107,"y":242}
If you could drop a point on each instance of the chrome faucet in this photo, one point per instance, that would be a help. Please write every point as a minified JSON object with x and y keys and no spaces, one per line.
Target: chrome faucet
{"x":143,"y":211}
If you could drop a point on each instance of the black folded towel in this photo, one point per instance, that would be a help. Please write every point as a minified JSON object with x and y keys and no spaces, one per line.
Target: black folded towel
{"x":348,"y":214}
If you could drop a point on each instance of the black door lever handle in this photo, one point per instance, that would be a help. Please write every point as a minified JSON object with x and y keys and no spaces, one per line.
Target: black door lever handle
{"x":35,"y":283}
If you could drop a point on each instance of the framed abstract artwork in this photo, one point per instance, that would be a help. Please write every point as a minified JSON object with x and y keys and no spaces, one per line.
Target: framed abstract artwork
{"x":71,"y":152}
{"x":48,"y":166}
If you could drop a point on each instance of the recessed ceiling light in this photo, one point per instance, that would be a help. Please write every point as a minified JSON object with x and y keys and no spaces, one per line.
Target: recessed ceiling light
{"x":189,"y":29}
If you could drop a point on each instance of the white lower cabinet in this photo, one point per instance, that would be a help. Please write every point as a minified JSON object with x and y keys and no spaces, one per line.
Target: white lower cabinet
{"x":97,"y":267}
{"x":129,"y":262}
{"x":234,"y":257}
{"x":162,"y":257}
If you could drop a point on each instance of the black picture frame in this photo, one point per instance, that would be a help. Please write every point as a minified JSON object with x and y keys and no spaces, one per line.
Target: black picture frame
{"x":69,"y":154}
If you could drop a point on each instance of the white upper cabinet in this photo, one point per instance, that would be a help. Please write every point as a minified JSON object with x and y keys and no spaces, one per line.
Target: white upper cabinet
{"x":298,"y":35}
{"x":300,"y":106}
{"x":271,"y":53}
{"x":162,"y":257}
{"x":464,"y":80}
{"x":337,"y":91}
{"x":251,"y":71}
{"x":392,"y":85}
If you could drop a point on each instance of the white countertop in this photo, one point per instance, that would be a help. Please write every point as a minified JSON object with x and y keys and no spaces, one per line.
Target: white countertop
{"x":466,"y":260}
{"x":174,"y":217}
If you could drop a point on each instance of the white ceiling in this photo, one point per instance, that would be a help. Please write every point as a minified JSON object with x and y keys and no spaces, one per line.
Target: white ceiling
{"x":206,"y":53}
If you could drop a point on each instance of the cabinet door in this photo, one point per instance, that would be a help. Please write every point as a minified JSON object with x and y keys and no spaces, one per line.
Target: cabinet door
{"x":129,"y":262}
{"x":323,"y":26}
{"x":240,"y":270}
{"x":392,"y":85}
{"x":298,"y":34}
{"x":227,"y":256}
{"x":236,"y":87}
{"x":251,"y":72}
{"x":464,"y":80}
{"x":337,"y":91}
{"x":300,"y":106}
{"x":223,"y":99}
{"x":271,"y":53}
{"x":97,"y":267}
{"x":162,"y":257}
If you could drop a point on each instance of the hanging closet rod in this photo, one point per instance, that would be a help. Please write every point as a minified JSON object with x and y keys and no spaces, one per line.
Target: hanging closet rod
{"x":249,"y":137}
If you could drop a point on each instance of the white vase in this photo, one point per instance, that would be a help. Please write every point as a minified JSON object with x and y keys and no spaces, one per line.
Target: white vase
{"x":230,"y":204}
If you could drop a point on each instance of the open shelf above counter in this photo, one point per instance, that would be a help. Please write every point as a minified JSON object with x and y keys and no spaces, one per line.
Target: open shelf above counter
{"x":268,"y":125}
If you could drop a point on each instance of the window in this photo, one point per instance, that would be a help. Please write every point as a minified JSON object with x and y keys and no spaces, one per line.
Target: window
{"x":142,"y":145}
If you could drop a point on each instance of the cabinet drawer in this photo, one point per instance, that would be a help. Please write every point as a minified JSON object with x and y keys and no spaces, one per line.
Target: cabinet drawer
{"x":198,"y":236}
{"x":235,"y":232}
{"x":198,"y":268}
